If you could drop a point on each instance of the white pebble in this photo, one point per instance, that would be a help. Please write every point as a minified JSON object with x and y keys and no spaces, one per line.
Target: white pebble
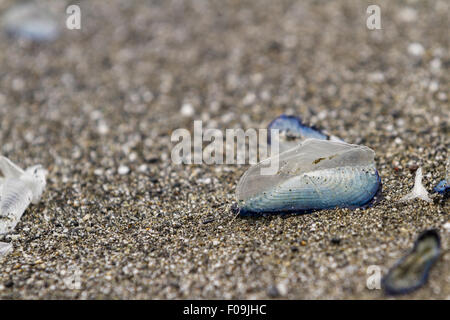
{"x":282,"y":288}
{"x":433,"y":86}
{"x":187,"y":110}
{"x":416,"y":49}
{"x":204,"y":181}
{"x":98,"y":172}
{"x":123,"y":170}
{"x":447,"y":226}
{"x":435,"y":64}
{"x":133,"y":156}
{"x":442,"y":96}
{"x":407,"y":15}
{"x":102,"y":128}
{"x":322,"y":115}
{"x":376,"y":77}
{"x":249,"y":99}
{"x":142,"y":168}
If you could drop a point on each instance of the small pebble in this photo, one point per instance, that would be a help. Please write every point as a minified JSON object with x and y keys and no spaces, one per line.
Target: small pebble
{"x":204,"y":181}
{"x":416,"y":49}
{"x":123,"y":170}
{"x":282,"y":288}
{"x":335,"y":241}
{"x":407,"y":14}
{"x":447,"y":226}
{"x":187,"y":110}
{"x":209,"y":220}
{"x":142,"y":168}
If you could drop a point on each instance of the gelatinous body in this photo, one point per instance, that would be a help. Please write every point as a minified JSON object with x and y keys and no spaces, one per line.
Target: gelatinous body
{"x":18,"y":188}
{"x":317,"y":174}
{"x":292,"y":131}
{"x":411,"y":272}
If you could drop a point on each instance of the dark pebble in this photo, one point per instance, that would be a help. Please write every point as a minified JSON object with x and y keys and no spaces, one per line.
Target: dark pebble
{"x":273,"y":292}
{"x":209,"y":220}
{"x":335,"y":241}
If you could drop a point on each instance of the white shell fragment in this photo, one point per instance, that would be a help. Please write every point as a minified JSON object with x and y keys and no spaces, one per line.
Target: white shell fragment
{"x":317,"y":174}
{"x":418,"y":190}
{"x":5,"y":248}
{"x":18,"y":188}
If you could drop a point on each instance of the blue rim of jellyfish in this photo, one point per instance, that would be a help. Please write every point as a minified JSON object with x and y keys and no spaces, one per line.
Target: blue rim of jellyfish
{"x":442,"y":187}
{"x":295,"y":124}
{"x":424,"y":277}
{"x":35,"y":31}
{"x":33,"y":36}
{"x":244,"y":212}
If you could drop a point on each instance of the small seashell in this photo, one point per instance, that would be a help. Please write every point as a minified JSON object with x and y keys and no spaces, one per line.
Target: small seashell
{"x":292,"y":131}
{"x":187,"y":110}
{"x":30,"y":21}
{"x":18,"y":189}
{"x":418,"y":190}
{"x":411,"y":272}
{"x":317,"y":174}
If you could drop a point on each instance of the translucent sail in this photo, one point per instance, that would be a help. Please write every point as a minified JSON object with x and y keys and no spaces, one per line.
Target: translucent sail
{"x":317,"y":174}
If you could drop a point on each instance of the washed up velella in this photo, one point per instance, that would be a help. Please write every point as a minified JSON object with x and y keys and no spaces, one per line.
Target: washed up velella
{"x":30,"y":21}
{"x":443,"y":187}
{"x":18,"y":188}
{"x":411,"y":272}
{"x":317,"y":174}
{"x":293,"y":131}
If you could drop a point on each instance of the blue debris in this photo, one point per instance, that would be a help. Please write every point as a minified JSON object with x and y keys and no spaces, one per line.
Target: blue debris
{"x":442,"y":187}
{"x":292,"y":131}
{"x":31,"y":22}
{"x":411,"y":272}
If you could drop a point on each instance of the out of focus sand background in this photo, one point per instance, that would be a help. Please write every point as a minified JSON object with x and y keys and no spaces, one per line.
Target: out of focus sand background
{"x":111,"y":94}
